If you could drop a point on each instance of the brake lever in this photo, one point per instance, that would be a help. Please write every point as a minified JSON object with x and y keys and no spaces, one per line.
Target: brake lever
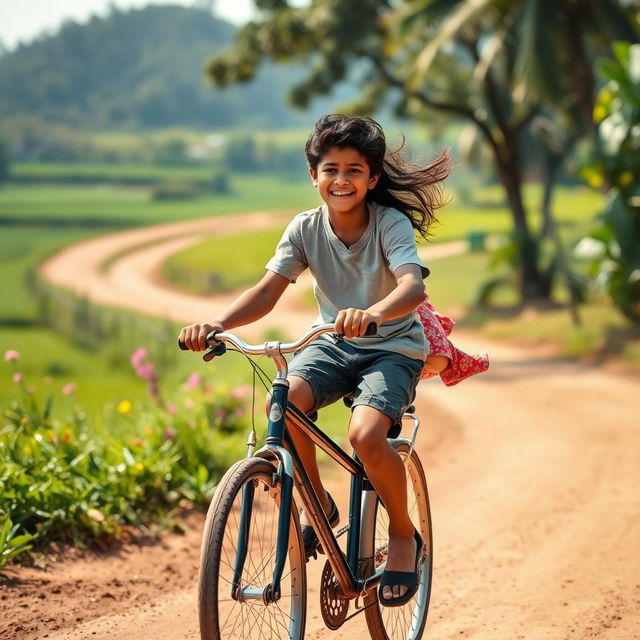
{"x":218,"y":350}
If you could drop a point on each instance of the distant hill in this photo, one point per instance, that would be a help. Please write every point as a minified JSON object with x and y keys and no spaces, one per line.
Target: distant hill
{"x":139,"y":68}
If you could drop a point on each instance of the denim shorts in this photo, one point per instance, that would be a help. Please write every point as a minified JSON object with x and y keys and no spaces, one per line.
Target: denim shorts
{"x":384,"y":380}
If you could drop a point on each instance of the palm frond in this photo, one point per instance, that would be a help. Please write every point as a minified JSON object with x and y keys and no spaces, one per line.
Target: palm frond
{"x":537,"y":64}
{"x":449,"y":27}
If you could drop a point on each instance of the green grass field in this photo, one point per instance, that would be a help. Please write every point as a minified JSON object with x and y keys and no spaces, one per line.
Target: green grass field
{"x":105,"y":205}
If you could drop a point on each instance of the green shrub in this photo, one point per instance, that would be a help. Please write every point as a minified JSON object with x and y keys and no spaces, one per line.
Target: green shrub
{"x":64,"y":478}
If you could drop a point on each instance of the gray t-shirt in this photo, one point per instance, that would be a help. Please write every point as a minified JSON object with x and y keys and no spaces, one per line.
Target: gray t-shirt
{"x":357,"y":276}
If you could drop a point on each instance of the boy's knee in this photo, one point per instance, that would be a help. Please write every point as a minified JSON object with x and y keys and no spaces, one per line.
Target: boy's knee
{"x":366,"y":439}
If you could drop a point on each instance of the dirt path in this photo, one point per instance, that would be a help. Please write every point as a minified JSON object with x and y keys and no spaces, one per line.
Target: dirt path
{"x":533,"y":471}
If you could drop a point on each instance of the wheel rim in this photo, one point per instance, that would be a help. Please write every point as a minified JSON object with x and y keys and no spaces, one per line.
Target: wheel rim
{"x":253,"y":618}
{"x":406,"y":622}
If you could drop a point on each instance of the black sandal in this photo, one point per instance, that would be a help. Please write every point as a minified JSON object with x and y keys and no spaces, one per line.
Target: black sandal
{"x":312,"y":545}
{"x":409,"y":579}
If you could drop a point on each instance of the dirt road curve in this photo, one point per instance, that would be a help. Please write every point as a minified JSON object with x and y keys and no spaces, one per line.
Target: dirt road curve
{"x":533,"y":473}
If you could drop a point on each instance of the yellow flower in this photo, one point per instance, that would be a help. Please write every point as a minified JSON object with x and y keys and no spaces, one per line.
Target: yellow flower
{"x":148,"y":431}
{"x":26,"y":450}
{"x":123,"y":407}
{"x":65,"y":438}
{"x":599,"y":113}
{"x":595,"y":180}
{"x":606,"y":96}
{"x":50,"y":436}
{"x":625,"y":179}
{"x":138,"y":467}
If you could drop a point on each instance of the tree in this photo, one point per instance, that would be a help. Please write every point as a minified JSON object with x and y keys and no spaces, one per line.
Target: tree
{"x":458,"y":58}
{"x":614,"y":246}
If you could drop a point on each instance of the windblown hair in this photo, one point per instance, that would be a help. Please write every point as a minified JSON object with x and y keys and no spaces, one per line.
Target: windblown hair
{"x":413,"y":189}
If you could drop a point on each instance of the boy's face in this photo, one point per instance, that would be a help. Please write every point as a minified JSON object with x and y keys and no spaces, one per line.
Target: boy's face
{"x":343,"y":179}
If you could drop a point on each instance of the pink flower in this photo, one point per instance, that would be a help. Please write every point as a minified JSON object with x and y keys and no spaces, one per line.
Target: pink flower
{"x":138,"y":442}
{"x":192,"y":381}
{"x":69,"y":388}
{"x":17,"y":377}
{"x":221,"y":413}
{"x":171,"y":409}
{"x":153,"y":389}
{"x":147,"y":372}
{"x":188,"y":404}
{"x":169,"y":433}
{"x":138,"y":357}
{"x":240,"y":413}
{"x":11,"y":355}
{"x":240,"y":392}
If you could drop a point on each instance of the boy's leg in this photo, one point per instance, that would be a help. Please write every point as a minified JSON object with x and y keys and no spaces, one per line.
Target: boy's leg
{"x":301,"y":395}
{"x":368,"y":436}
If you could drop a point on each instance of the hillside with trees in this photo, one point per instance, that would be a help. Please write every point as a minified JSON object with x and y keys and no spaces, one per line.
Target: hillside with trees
{"x":141,"y":68}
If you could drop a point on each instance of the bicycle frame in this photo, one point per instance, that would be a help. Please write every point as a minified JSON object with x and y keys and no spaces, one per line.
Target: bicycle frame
{"x":280,"y":446}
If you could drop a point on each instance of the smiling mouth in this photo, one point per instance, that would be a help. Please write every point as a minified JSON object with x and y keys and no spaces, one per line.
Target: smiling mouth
{"x":341,"y":194}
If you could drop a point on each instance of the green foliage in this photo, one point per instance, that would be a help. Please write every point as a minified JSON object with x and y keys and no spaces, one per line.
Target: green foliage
{"x":60,"y":478}
{"x":614,"y":246}
{"x":11,"y":545}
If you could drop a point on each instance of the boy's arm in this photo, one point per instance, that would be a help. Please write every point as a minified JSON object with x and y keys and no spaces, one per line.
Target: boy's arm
{"x":400,"y":302}
{"x":250,"y":306}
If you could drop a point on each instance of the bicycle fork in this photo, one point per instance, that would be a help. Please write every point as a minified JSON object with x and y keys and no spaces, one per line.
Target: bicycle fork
{"x":283,"y":476}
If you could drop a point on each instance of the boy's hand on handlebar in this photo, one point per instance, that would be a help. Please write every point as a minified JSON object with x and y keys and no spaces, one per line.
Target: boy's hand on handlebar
{"x":353,"y":323}
{"x":194,"y":337}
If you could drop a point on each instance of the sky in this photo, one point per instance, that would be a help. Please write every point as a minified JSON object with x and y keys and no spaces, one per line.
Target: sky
{"x":22,"y":20}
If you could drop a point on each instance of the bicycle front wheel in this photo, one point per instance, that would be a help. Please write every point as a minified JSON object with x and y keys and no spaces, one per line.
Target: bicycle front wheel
{"x":224,"y":616}
{"x":405,"y":622}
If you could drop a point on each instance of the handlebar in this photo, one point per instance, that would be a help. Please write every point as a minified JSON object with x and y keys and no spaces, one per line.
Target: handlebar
{"x":216,"y":340}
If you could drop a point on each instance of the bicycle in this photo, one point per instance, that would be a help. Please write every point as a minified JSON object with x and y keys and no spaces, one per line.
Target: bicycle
{"x":253,"y":568}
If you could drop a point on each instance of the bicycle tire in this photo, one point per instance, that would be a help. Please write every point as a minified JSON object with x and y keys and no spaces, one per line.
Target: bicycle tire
{"x":405,"y":622}
{"x":222,"y":617}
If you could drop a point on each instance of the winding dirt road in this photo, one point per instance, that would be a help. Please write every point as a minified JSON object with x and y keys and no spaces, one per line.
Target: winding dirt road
{"x":534,"y":477}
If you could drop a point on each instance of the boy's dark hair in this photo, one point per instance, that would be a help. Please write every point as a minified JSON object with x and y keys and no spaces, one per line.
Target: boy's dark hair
{"x":415,"y":190}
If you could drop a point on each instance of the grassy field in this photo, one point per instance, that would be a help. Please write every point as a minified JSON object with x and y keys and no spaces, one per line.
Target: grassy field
{"x":105,"y":205}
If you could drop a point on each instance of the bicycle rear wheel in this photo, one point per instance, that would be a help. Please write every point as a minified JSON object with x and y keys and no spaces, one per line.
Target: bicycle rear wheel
{"x":221,"y":616}
{"x":405,"y":622}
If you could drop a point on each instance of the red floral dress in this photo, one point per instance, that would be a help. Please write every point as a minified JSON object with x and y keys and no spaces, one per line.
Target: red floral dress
{"x":437,"y":327}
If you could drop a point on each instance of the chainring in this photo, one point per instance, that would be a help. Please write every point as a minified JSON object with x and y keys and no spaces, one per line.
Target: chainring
{"x":333,"y":606}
